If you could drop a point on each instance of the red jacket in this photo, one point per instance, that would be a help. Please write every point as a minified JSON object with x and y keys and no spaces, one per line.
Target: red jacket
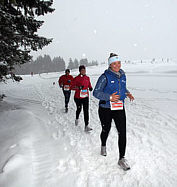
{"x":81,"y":84}
{"x":65,"y":81}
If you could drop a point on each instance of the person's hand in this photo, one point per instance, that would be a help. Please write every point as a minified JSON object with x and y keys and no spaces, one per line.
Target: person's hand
{"x":81,"y":87}
{"x":130,"y":96}
{"x":114,"y":97}
{"x":90,"y":89}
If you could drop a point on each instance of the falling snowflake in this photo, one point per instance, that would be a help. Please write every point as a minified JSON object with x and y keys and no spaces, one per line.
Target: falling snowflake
{"x":95,"y":31}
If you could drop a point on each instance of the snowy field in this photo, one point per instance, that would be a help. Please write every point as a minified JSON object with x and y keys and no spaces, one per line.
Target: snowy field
{"x":41,"y":147}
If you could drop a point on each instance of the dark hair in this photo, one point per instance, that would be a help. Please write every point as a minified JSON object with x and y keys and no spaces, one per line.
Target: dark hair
{"x":67,"y":70}
{"x":81,"y":67}
{"x":112,"y":54}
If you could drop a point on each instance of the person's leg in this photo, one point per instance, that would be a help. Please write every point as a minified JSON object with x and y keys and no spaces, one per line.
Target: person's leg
{"x":65,"y":94}
{"x":69,"y":94}
{"x":105,"y":118}
{"x":67,"y":97}
{"x":79,"y":107}
{"x":85,"y":102}
{"x":119,"y":117}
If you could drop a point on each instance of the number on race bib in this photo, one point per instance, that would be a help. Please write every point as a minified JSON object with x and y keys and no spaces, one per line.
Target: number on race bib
{"x":117,"y":105}
{"x":66,"y":87}
{"x":84,"y":93}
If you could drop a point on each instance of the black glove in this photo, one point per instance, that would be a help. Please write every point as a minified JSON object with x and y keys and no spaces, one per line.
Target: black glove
{"x":81,"y":87}
{"x":90,"y":89}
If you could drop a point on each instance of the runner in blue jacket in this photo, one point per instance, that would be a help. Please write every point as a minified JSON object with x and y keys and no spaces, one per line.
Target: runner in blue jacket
{"x":111,"y":90}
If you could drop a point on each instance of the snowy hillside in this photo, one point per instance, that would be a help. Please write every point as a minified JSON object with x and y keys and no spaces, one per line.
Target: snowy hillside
{"x":41,"y":146}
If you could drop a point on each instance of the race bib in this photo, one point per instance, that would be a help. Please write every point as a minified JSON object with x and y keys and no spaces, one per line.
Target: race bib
{"x":66,"y":88}
{"x":117,"y":105}
{"x":84,"y":93}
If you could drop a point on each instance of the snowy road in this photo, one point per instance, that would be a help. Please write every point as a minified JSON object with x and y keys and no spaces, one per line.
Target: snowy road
{"x":42,"y":147}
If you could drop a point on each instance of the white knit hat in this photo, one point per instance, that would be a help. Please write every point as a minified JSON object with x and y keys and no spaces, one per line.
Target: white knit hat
{"x":113,"y":59}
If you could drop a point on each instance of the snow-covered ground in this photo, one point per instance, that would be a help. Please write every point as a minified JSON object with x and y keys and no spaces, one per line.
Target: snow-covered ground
{"x":41,"y":146}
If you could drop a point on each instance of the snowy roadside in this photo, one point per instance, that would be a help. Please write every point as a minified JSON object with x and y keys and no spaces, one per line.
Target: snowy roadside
{"x":29,"y":148}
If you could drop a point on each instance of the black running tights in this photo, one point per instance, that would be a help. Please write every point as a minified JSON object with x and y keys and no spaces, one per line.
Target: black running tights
{"x":85,"y":103}
{"x":106,"y":115}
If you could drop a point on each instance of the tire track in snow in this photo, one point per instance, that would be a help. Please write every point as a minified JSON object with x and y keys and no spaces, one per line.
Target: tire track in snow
{"x":43,"y":163}
{"x":46,"y":152}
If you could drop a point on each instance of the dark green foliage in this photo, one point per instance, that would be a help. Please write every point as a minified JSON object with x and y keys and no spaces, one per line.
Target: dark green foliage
{"x":18,"y":31}
{"x":41,"y":65}
{"x":71,"y":64}
{"x":44,"y":64}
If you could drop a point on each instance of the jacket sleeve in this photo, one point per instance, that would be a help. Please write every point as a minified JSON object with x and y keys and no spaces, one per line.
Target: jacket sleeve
{"x":73,"y":84}
{"x":60,"y":81}
{"x":122,"y":72}
{"x":90,"y":86}
{"x":127,"y":91}
{"x":98,"y":90}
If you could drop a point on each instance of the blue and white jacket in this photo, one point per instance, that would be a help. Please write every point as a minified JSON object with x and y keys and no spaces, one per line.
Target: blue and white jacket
{"x":108,"y":83}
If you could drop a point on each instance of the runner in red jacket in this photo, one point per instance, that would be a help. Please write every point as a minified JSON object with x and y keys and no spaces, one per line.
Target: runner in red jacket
{"x":81,"y":84}
{"x":65,"y":83}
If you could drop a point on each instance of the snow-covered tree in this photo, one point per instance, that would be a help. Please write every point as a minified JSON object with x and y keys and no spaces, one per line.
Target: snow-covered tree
{"x":18,"y":31}
{"x":71,"y":64}
{"x":76,"y":63}
{"x":84,"y":61}
{"x":59,"y":64}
